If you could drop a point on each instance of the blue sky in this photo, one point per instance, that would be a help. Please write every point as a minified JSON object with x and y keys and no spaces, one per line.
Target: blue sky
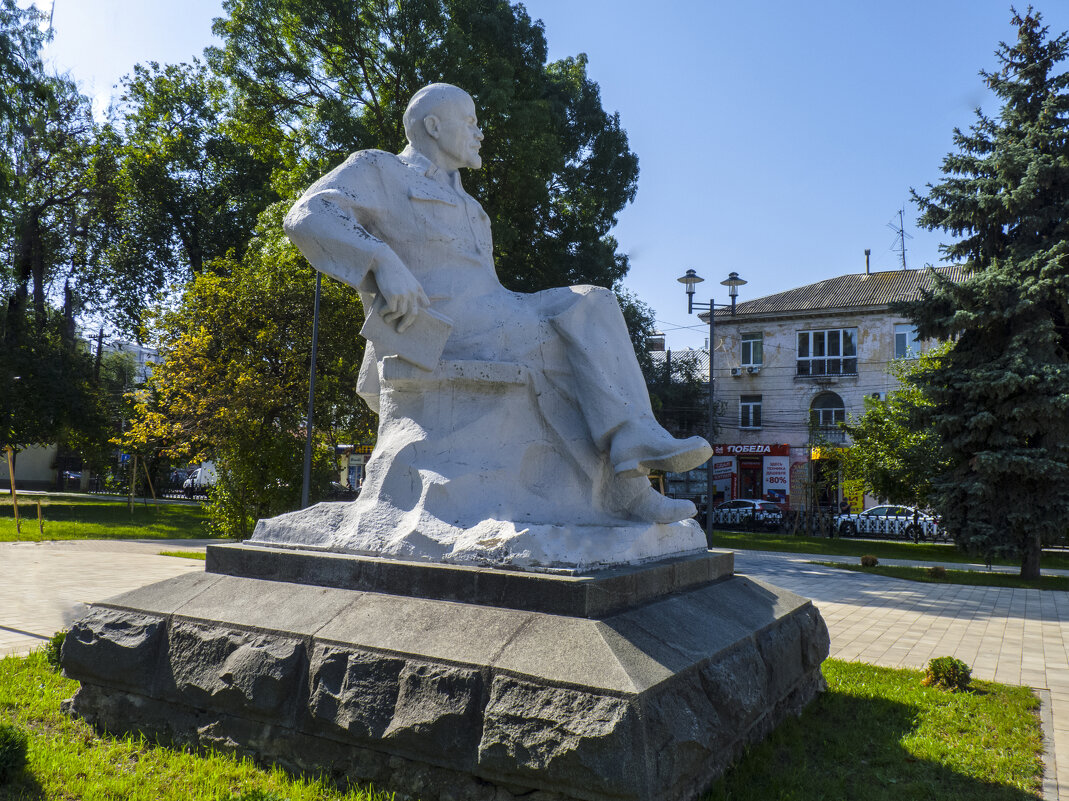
{"x":775,"y":138}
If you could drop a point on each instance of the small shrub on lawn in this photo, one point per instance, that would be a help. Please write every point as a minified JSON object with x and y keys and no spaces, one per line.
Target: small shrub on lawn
{"x":54,"y":649}
{"x":869,"y":561}
{"x":937,"y":572}
{"x":948,"y":673}
{"x":12,"y":751}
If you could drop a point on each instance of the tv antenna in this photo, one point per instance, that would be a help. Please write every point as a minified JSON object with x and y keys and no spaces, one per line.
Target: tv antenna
{"x":901,"y":236}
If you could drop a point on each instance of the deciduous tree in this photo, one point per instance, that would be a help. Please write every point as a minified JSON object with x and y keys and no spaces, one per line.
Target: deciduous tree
{"x":894,"y":454}
{"x":233,"y":385}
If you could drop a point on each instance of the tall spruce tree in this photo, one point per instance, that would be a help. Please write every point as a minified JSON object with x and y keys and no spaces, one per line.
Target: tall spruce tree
{"x":1001,"y":394}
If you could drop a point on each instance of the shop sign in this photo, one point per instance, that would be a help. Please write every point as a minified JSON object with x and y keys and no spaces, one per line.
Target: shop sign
{"x":755,"y":450}
{"x":776,"y":477}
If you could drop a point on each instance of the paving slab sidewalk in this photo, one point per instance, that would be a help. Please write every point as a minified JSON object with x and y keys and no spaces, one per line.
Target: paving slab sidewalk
{"x":44,"y":584}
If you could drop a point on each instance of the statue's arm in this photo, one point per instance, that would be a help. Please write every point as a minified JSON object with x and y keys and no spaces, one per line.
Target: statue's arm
{"x":325,"y":224}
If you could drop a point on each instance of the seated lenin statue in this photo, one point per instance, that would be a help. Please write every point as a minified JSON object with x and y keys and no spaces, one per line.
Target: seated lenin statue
{"x":515,"y":429}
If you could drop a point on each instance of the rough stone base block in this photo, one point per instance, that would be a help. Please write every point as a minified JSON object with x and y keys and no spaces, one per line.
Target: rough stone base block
{"x":448,"y":700}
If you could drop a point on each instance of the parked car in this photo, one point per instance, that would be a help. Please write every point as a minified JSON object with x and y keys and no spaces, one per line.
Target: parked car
{"x":200,"y":480}
{"x":890,"y":521}
{"x":748,"y":513}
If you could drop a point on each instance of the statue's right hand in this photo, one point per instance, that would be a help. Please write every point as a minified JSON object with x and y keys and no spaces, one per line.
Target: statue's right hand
{"x":402,"y":293}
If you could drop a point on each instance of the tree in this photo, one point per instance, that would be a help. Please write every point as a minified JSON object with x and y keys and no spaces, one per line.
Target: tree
{"x":233,"y":384}
{"x":173,"y":191}
{"x":1000,"y":396}
{"x":894,"y":455}
{"x":46,"y":390}
{"x":318,"y":79}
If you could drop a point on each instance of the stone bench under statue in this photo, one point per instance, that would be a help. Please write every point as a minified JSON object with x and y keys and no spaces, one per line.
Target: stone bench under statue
{"x":508,"y":606}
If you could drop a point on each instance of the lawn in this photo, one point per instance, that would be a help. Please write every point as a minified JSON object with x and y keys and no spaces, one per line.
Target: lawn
{"x":971,"y":577}
{"x":83,"y":518}
{"x":877,"y":734}
{"x":837,"y":546}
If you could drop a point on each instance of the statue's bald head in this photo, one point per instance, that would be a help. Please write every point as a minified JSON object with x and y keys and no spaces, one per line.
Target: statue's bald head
{"x":440,"y":122}
{"x":429,"y":101}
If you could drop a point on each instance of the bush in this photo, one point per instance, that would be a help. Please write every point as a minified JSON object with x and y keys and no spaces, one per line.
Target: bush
{"x":12,"y":751}
{"x":869,"y":561}
{"x":54,"y":649}
{"x":948,"y":673}
{"x":937,"y":572}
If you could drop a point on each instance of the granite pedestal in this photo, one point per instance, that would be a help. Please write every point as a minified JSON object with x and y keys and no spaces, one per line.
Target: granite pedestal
{"x":445,"y":682}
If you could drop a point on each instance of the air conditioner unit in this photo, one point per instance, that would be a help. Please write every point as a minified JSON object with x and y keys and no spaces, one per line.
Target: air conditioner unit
{"x":736,"y":371}
{"x":754,"y":369}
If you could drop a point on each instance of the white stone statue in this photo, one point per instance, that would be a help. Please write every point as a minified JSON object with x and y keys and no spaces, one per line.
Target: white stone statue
{"x":515,"y":429}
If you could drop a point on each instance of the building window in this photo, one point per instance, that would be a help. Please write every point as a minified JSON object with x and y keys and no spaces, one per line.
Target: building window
{"x":829,"y":352}
{"x":753,"y":350}
{"x":827,"y":411}
{"x":906,"y":344}
{"x":750,"y":411}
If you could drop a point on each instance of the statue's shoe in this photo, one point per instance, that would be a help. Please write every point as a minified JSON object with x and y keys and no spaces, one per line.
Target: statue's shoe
{"x":653,"y":507}
{"x":636,"y":449}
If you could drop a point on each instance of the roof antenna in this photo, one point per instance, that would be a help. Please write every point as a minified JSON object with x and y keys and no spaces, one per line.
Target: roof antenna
{"x":868,"y":252}
{"x":51,"y":14}
{"x":901,"y":236}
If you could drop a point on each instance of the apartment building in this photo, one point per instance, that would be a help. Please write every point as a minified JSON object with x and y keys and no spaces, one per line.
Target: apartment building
{"x":790,"y":367}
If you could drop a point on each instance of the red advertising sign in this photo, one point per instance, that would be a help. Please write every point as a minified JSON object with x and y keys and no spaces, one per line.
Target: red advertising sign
{"x":755,"y":450}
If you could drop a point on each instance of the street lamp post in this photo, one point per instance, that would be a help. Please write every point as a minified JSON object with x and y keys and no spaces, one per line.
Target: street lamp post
{"x":733,"y":282}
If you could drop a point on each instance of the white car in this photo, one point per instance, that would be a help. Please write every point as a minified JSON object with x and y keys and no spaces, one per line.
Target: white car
{"x":890,"y":521}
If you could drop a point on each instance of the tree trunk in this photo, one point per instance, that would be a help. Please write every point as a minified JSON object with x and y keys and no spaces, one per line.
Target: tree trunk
{"x":1031,"y":553}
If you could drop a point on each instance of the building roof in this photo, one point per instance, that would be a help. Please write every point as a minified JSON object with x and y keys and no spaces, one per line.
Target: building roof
{"x":853,"y":291}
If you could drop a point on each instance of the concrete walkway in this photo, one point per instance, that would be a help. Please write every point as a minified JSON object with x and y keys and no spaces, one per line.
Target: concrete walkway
{"x":1007,"y":635}
{"x":1012,"y":636}
{"x":44,"y":584}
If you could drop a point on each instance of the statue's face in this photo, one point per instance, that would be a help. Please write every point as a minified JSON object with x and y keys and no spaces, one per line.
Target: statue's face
{"x":458,"y":132}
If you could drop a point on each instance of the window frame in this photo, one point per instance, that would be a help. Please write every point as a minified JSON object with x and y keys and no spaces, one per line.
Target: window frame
{"x":750,"y":412}
{"x":826,"y":352}
{"x":746,"y":354}
{"x":906,"y":351}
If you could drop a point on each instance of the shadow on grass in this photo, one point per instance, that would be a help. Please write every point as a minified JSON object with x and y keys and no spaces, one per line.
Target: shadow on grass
{"x":22,"y":787}
{"x":848,"y":747}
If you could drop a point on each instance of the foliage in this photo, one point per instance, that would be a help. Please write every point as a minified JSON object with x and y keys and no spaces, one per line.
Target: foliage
{"x":948,"y":673}
{"x":68,"y":759}
{"x":174,"y":192}
{"x":318,"y":79}
{"x":1000,"y":397}
{"x":894,"y":455}
{"x":868,"y":560}
{"x":48,"y":391}
{"x":233,"y":386}
{"x":679,"y":393}
{"x":12,"y":752}
{"x":878,"y":735}
{"x":53,"y":650}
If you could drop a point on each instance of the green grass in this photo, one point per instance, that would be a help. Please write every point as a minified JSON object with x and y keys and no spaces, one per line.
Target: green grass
{"x":974,"y":578}
{"x":876,"y":735}
{"x":920,"y":552}
{"x":879,"y":735}
{"x":186,"y":554}
{"x":68,"y":760}
{"x":89,"y":517}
